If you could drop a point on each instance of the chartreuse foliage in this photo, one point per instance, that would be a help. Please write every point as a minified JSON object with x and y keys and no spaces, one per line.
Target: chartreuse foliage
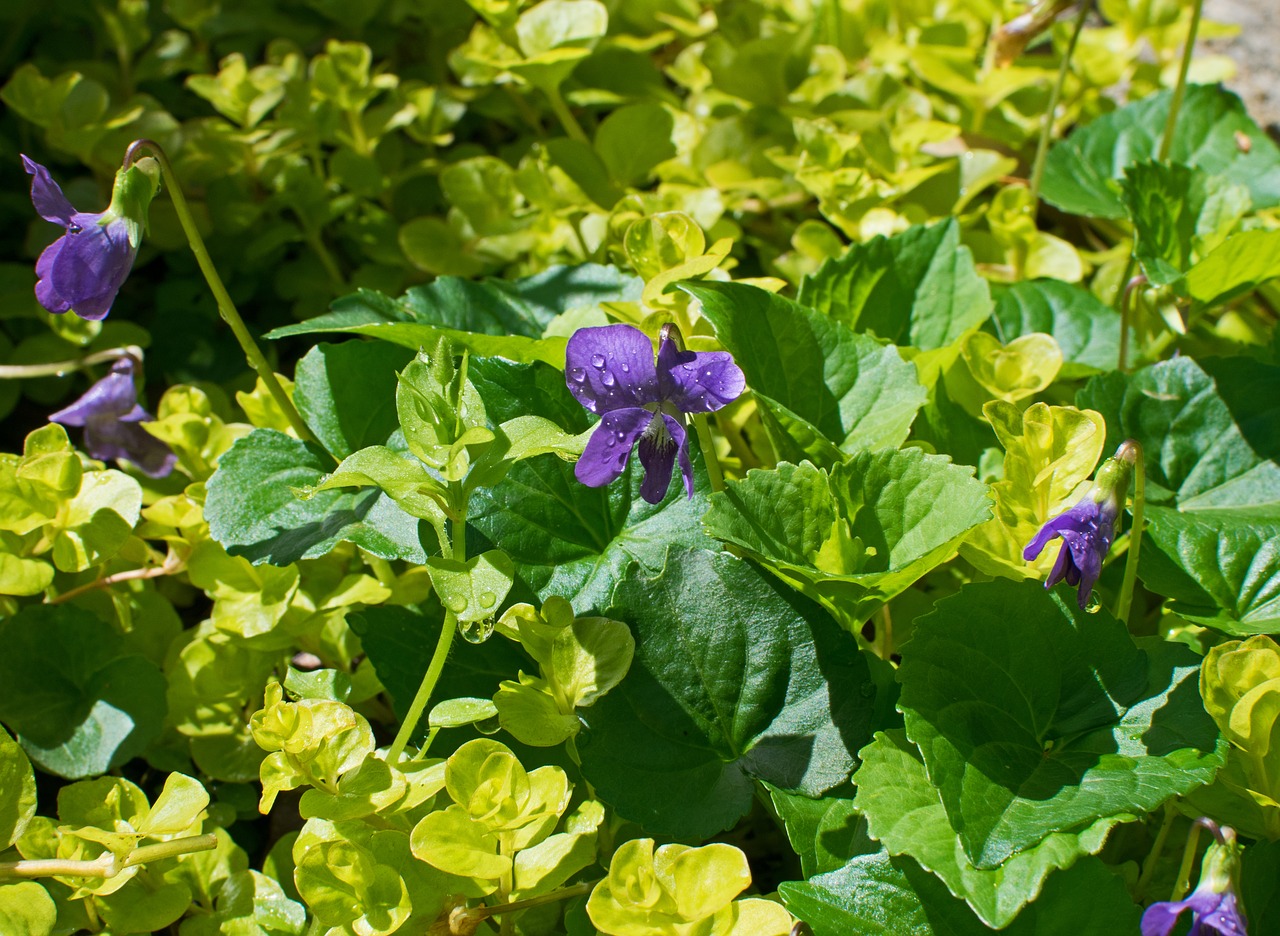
{"x":836,"y":638}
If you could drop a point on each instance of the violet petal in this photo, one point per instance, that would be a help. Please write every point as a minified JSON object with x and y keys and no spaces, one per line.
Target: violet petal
{"x":703,"y":384}
{"x":658,"y":447}
{"x":610,"y":368}
{"x":609,"y":448}
{"x":46,"y":194}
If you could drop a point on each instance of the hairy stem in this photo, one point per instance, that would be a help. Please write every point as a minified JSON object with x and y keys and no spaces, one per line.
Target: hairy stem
{"x":1126,"y":315}
{"x":1180,"y":89}
{"x":436,"y":666}
{"x":1051,"y":113}
{"x":226,"y":307}
{"x":106,"y":865}
{"x":60,"y":368}
{"x":1183,"y":883}
{"x":1157,"y":848}
{"x":708,"y":446}
{"x":1135,"y":537}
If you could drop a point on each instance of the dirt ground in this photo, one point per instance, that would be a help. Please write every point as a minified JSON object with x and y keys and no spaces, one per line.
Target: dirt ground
{"x":1255,"y":51}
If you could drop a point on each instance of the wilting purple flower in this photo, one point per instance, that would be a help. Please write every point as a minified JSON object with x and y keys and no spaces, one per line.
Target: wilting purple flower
{"x":84,"y":268}
{"x":1213,"y":904}
{"x":110,"y":414}
{"x":1088,"y":528}
{"x":611,"y":371}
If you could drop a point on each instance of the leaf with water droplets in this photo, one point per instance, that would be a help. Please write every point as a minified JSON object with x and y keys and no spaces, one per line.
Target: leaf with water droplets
{"x":473,"y":589}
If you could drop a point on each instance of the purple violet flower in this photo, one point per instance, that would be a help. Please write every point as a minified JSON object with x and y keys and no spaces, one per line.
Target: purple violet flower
{"x":1088,"y":528}
{"x":110,"y":414}
{"x":84,"y":268}
{"x":611,"y":371}
{"x":1213,"y":904}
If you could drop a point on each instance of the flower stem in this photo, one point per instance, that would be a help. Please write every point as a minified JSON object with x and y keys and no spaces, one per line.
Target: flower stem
{"x":1183,"y":883}
{"x":436,"y":666}
{"x":1180,"y":89}
{"x":226,"y":307}
{"x":1046,"y":131}
{"x":60,"y":368}
{"x":708,"y":446}
{"x":106,"y":865}
{"x":1135,"y":536}
{"x":1157,"y":848}
{"x":172,"y":563}
{"x":565,"y":116}
{"x":1126,"y":308}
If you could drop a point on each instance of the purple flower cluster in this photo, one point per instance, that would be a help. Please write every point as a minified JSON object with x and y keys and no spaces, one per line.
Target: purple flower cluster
{"x":1088,"y":528}
{"x":611,"y":371}
{"x":84,"y":268}
{"x":110,"y":415}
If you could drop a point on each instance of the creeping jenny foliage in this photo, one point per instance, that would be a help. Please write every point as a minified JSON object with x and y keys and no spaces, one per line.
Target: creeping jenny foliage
{"x":827,"y":688}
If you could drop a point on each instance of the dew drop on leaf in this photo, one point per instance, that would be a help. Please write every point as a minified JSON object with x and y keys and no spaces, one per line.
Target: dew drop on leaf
{"x":488,"y":599}
{"x":477,"y":632}
{"x":457,"y":604}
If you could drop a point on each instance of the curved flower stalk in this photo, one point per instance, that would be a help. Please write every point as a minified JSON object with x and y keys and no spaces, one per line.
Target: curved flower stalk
{"x":83,"y":269}
{"x":110,"y":415}
{"x":611,"y":371}
{"x":1088,"y":528}
{"x":1215,"y":908}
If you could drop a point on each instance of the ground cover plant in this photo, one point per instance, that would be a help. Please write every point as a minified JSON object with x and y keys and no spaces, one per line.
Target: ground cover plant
{"x":660,"y":467}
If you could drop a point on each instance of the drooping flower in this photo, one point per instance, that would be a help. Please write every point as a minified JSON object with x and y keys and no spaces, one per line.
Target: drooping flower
{"x":1088,"y":528}
{"x":611,"y":371}
{"x":1215,"y":909}
{"x":110,"y":414}
{"x":84,"y":268}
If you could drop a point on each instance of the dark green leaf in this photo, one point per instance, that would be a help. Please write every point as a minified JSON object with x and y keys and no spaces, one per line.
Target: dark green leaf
{"x":875,"y":895}
{"x":1179,"y":215}
{"x":856,"y":392}
{"x":904,"y":811}
{"x":346,"y":393}
{"x":1082,"y":174}
{"x":854,"y":539}
{"x":1086,"y":329}
{"x":1034,"y":717}
{"x":1258,"y":891}
{"x":1220,"y":567}
{"x":253,"y":511}
{"x":824,"y":832}
{"x":1207,"y":428}
{"x":79,"y":704}
{"x":492,"y":317}
{"x":917,"y":288}
{"x":784,"y":697}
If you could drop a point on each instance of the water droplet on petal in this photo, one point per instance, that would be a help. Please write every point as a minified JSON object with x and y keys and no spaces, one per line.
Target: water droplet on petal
{"x":610,"y":442}
{"x":707,"y":373}
{"x":597,"y":360}
{"x":690,"y":367}
{"x":1093,"y":603}
{"x":488,"y":599}
{"x":608,"y":379}
{"x":626,"y":368}
{"x":578,"y":374}
{"x":621,"y":435}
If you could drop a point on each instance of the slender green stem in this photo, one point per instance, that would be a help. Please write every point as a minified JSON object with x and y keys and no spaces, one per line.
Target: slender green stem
{"x":1157,"y":848}
{"x":708,"y":446}
{"x":1051,"y":113}
{"x":106,"y":865}
{"x":436,"y":666}
{"x":1135,"y":536}
{"x":1180,"y":89}
{"x":1183,"y":883}
{"x":463,"y":917}
{"x":1126,"y":315}
{"x":565,"y":116}
{"x":60,"y":368}
{"x":226,"y":307}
